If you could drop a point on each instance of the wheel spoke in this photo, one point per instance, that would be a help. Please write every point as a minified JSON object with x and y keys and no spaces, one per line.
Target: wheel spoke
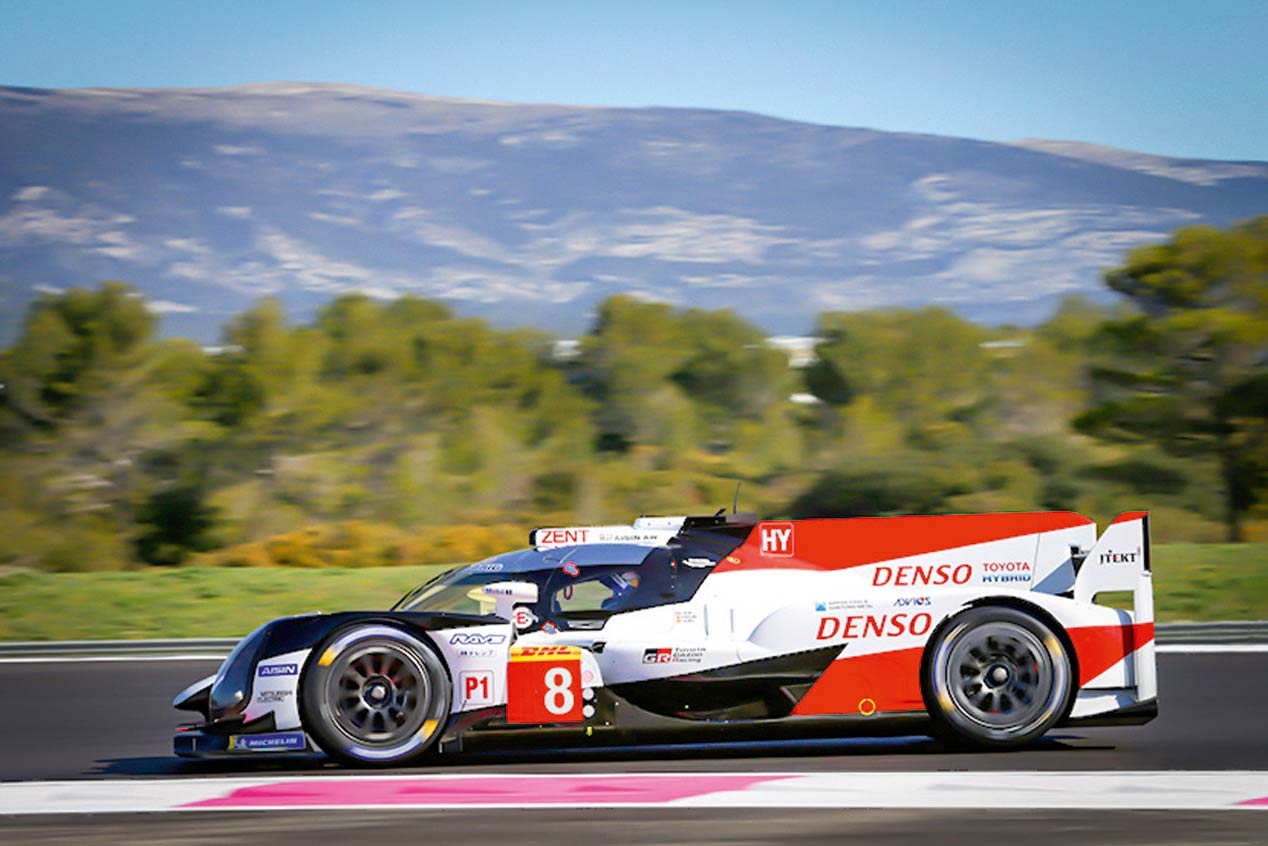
{"x":999,"y":675}
{"x":378,"y":694}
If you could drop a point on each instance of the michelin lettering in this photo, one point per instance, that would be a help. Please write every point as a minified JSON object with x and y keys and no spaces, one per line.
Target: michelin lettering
{"x":280,"y":741}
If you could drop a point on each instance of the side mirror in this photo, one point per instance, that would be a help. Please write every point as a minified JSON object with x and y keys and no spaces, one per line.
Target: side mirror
{"x":506,"y":595}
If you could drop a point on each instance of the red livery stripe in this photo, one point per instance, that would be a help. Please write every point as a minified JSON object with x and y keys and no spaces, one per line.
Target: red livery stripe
{"x":838,"y":544}
{"x":886,"y":682}
{"x":1100,"y":647}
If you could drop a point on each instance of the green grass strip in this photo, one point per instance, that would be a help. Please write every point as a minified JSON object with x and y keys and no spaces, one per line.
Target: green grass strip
{"x":1193,"y":582}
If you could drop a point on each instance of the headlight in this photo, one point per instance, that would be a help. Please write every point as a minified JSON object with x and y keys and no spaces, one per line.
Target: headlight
{"x":232,"y":687}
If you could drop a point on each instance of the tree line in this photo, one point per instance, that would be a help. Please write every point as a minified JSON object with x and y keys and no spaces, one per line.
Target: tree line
{"x":377,"y":423}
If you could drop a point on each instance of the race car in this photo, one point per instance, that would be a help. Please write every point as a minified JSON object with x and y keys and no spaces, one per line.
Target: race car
{"x":983,"y":629}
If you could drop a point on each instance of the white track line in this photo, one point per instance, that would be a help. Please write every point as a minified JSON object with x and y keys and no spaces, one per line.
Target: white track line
{"x":1210,"y":648}
{"x":1169,"y":790}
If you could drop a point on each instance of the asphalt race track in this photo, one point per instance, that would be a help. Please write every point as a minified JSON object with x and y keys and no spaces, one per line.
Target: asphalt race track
{"x":113,"y":720}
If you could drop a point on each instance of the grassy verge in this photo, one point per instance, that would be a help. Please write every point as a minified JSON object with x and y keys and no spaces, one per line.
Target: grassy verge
{"x":1200,"y":582}
{"x":187,"y":602}
{"x":1192,"y":582}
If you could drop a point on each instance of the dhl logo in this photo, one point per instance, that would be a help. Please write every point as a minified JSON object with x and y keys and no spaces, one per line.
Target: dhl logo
{"x":544,"y":653}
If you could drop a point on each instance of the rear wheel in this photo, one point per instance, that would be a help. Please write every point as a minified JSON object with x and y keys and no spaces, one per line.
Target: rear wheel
{"x":375,"y":695}
{"x":997,"y":677}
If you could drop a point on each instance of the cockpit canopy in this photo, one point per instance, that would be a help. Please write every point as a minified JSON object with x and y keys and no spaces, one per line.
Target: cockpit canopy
{"x":578,"y":586}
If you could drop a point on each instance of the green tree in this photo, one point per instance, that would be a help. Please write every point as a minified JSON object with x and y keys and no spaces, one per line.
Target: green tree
{"x":175,"y":519}
{"x":917,"y":364}
{"x":69,"y":343}
{"x":1188,"y":368}
{"x":628,"y":362}
{"x":907,"y":483}
{"x":729,"y":366}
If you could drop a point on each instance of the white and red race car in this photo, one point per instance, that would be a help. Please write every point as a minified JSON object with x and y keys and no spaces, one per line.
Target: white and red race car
{"x":981,"y":628}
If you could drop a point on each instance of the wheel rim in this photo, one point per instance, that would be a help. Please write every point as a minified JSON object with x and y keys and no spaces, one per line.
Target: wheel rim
{"x":378,"y":694}
{"x":1002,"y":677}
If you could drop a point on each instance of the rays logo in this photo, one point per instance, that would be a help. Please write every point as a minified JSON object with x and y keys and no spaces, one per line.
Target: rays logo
{"x":476,"y":639}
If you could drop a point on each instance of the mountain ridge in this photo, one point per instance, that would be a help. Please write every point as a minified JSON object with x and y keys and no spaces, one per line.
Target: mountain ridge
{"x":532,"y":213}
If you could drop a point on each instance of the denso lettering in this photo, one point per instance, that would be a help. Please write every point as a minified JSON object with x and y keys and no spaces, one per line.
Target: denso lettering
{"x":871,"y":625}
{"x":910,"y":575}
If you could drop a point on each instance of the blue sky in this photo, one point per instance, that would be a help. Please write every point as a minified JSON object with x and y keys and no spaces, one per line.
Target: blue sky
{"x":1169,"y":76}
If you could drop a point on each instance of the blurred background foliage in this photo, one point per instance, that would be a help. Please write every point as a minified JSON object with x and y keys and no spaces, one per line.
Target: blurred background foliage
{"x":396,"y":433}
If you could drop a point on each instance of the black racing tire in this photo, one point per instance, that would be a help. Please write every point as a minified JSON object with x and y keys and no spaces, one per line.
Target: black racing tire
{"x":375,"y":695}
{"x":996,"y":677}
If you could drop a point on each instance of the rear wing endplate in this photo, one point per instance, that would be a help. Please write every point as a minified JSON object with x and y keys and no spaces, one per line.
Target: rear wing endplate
{"x":1120,"y":561}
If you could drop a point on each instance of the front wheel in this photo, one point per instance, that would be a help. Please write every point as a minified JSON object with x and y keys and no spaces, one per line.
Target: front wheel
{"x":375,"y":695}
{"x":997,"y":677}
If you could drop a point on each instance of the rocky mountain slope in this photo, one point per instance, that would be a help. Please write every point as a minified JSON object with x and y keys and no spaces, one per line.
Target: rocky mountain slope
{"x":207,"y":199}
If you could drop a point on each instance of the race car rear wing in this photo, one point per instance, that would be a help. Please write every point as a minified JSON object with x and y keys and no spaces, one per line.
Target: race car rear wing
{"x":1120,"y":561}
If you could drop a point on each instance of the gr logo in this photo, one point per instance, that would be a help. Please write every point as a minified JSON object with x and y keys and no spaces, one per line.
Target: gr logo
{"x":777,"y":539}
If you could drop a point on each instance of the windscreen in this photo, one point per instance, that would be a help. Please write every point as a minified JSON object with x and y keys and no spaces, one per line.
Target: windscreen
{"x":589,"y":580}
{"x":455,"y":592}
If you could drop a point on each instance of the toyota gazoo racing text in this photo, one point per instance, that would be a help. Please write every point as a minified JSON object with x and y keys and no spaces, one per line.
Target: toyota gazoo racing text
{"x":983,"y":629}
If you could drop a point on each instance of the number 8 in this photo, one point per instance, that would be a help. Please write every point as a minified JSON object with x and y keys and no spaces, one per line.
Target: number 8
{"x":559,"y":697}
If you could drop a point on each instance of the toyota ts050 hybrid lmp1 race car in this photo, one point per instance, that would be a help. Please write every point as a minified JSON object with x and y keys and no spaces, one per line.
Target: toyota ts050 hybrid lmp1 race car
{"x":980,"y":628}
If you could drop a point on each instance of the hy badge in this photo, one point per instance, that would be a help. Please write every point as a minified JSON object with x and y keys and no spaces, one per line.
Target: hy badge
{"x":777,"y":539}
